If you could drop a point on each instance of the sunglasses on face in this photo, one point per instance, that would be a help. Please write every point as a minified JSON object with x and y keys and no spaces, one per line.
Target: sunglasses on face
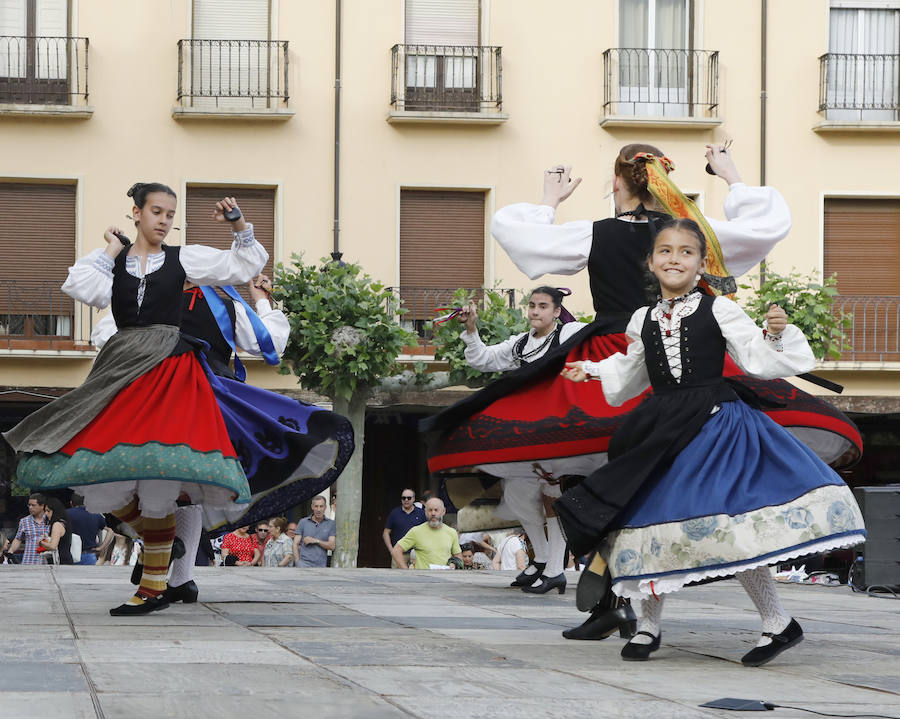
{"x":262,"y":529}
{"x":407,"y":497}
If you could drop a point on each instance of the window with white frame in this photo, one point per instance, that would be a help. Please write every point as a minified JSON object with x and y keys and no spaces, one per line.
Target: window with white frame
{"x":655,"y":68}
{"x":862,"y":67}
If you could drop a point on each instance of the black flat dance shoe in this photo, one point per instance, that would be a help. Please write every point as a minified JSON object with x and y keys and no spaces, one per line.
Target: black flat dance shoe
{"x":147,"y":606}
{"x":632,"y":652}
{"x":603,"y":623}
{"x":178,"y":551}
{"x":758,"y":656}
{"x":186,"y":592}
{"x":593,"y":585}
{"x":547,"y":583}
{"x":526,"y":580}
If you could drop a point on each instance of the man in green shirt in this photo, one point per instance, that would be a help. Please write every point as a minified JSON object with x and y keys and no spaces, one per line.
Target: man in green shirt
{"x":433,"y":541}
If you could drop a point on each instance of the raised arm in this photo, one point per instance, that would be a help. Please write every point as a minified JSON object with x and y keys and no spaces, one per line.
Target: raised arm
{"x":90,"y":278}
{"x":758,"y":217}
{"x":760,"y":354}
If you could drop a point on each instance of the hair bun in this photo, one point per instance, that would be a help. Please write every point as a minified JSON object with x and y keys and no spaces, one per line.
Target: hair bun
{"x":639,"y":172}
{"x":134,"y":189}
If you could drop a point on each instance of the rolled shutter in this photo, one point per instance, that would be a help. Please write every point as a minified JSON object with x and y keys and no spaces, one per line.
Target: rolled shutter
{"x":257,"y":204}
{"x":441,"y":247}
{"x":37,"y":235}
{"x":862,"y":245}
{"x":438,"y":22}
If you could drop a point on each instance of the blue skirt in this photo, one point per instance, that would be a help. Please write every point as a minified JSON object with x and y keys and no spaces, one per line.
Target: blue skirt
{"x":744,"y":493}
{"x":289,"y":450}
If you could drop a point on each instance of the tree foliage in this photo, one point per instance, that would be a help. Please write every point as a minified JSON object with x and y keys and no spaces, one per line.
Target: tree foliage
{"x":344,"y":332}
{"x":809,"y":305}
{"x":497,"y":321}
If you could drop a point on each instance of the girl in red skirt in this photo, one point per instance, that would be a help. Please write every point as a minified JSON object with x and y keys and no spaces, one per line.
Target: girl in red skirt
{"x":144,"y":427}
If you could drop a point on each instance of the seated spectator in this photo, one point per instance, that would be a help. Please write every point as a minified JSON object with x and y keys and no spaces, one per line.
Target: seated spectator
{"x":279,"y":551}
{"x":468,"y":557}
{"x":315,"y":537}
{"x":433,"y":541}
{"x":240,"y":548}
{"x":261,"y":533}
{"x":118,"y":550}
{"x":58,"y":540}
{"x":512,"y":552}
{"x":291,"y":530}
{"x":86,"y":525}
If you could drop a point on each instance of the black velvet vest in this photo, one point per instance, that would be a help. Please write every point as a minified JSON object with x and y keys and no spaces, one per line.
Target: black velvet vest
{"x":197,"y":320}
{"x":162,"y":293}
{"x":702,"y":351}
{"x":617,"y":265}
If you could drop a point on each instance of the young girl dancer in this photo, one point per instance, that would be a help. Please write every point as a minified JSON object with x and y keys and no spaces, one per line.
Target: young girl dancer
{"x":532,"y":414}
{"x":527,"y":494}
{"x":721,"y":489}
{"x":125,"y":437}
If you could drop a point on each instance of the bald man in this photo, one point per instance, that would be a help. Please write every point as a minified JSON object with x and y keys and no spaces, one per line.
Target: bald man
{"x":433,"y":541}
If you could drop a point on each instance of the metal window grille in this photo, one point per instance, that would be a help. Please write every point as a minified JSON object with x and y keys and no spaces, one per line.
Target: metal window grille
{"x":660,"y":82}
{"x":446,"y":78}
{"x":43,"y":70}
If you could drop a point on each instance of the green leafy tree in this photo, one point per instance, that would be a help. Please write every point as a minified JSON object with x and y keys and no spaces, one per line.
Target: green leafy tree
{"x":344,"y":340}
{"x":497,"y":321}
{"x":809,"y":305}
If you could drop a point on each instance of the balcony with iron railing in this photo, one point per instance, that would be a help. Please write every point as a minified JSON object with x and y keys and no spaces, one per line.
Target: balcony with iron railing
{"x":872,"y":329}
{"x":40,"y":316}
{"x":859,"y":90}
{"x":660,"y":87}
{"x":423,"y":305}
{"x":446,"y":83}
{"x":233,"y":79}
{"x":45,"y":76}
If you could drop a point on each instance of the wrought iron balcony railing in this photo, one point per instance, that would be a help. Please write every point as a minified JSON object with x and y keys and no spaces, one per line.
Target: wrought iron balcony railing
{"x":422,"y":303}
{"x":38,"y":315}
{"x":873,"y":331}
{"x":446,"y":78}
{"x":859,"y":86}
{"x":43,"y":70}
{"x":233,"y":74}
{"x":659,"y":82}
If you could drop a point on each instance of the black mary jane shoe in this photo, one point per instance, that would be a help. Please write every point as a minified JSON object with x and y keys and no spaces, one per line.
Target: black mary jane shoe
{"x":186,"y":592}
{"x":604,"y":622}
{"x":633,"y":652}
{"x":526,"y":580}
{"x":593,"y":586}
{"x":178,"y":551}
{"x":145,"y":607}
{"x":546,"y":584}
{"x":756,"y":657}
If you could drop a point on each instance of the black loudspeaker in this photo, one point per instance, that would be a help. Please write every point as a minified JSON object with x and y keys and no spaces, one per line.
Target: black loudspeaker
{"x":881,"y":553}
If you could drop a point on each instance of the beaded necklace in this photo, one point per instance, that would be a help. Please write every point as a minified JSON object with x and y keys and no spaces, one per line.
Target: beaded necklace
{"x":525,"y":356}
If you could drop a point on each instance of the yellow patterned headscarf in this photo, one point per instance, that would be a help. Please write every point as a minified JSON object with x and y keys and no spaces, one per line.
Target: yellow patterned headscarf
{"x":674,"y":202}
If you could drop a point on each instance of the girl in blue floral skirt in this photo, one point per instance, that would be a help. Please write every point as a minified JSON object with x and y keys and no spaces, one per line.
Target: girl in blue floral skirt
{"x":700,"y":483}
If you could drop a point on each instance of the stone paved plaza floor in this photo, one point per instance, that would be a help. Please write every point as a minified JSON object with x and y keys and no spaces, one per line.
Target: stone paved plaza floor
{"x":267,"y":643}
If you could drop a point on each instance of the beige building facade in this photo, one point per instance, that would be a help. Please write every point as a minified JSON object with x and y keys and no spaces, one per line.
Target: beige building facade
{"x":449,"y":109}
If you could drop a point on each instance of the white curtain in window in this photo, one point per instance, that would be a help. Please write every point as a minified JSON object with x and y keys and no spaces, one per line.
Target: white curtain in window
{"x":51,"y":27}
{"x":234,"y":71}
{"x":442,"y":28}
{"x":863,"y":73}
{"x":12,"y":47}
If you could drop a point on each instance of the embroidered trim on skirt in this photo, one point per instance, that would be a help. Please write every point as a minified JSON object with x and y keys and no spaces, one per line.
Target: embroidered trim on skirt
{"x":160,"y":435}
{"x":744,"y":493}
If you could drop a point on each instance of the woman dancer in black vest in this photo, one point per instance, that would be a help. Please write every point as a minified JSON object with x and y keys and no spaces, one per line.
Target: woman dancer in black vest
{"x":144,"y":426}
{"x":720,"y":488}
